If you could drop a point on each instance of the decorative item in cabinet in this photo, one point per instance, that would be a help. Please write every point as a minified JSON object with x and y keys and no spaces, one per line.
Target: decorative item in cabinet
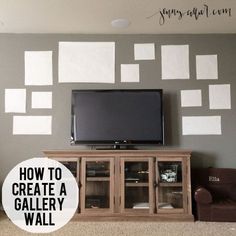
{"x":97,"y":169}
{"x":170,"y":172}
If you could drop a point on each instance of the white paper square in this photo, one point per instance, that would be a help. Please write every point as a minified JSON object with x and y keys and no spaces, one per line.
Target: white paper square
{"x":38,"y":68}
{"x":206,"y":67}
{"x":191,"y":98}
{"x":175,"y":61}
{"x":41,"y":100}
{"x":86,"y":62}
{"x":15,"y":100}
{"x":220,"y":96}
{"x":130,"y":73}
{"x":32,"y":125}
{"x":144,"y":51}
{"x":201,"y":125}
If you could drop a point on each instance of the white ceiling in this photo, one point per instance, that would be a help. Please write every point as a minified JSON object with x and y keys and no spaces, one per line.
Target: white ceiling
{"x":95,"y":16}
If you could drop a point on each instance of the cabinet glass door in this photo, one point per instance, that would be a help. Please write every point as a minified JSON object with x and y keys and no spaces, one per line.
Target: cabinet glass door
{"x":73,"y":165}
{"x":136,"y":193}
{"x":170,"y":186}
{"x":97,"y":184}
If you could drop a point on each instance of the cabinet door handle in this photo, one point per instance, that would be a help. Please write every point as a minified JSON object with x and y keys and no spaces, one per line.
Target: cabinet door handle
{"x":155,"y":184}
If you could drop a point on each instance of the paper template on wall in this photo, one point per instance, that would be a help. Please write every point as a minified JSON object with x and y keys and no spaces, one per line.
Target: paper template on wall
{"x":129,"y":72}
{"x":41,"y":100}
{"x":191,"y":98}
{"x":206,"y":67}
{"x":144,"y":51}
{"x":38,"y":68}
{"x":201,"y":125}
{"x":87,"y":62}
{"x":219,"y":96}
{"x":175,"y":61}
{"x":30,"y":125}
{"x":15,"y":100}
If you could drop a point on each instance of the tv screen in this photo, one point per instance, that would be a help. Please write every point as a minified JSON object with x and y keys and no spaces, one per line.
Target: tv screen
{"x":117,"y":117}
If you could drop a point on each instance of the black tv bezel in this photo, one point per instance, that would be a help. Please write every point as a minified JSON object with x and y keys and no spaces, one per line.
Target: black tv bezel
{"x":117,"y":142}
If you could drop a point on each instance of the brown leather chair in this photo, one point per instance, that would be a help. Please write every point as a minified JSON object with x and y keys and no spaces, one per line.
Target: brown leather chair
{"x":214,"y":194}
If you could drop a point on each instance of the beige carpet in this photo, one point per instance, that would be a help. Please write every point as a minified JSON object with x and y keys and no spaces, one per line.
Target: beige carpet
{"x":76,"y":228}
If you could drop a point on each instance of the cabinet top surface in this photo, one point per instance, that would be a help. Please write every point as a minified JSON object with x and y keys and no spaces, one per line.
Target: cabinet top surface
{"x":75,"y":153}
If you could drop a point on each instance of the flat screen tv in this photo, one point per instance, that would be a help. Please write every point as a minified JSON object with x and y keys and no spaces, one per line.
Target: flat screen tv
{"x":117,"y":117}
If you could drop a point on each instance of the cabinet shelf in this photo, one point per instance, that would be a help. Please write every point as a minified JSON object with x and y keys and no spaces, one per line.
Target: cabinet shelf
{"x":90,"y":179}
{"x":179,"y":184}
{"x":136,"y":184}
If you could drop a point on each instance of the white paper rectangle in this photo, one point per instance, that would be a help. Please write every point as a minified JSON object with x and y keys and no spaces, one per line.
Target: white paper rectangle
{"x":191,"y":98}
{"x":86,"y":62}
{"x":41,"y":100}
{"x":201,"y":125}
{"x":15,"y":100}
{"x":144,"y":51}
{"x":30,"y":125}
{"x":206,"y":67}
{"x":130,"y":73}
{"x":220,"y":96}
{"x":175,"y":61}
{"x":38,"y":68}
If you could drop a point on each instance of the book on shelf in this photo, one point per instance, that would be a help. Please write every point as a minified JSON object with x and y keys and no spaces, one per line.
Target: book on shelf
{"x":165,"y":205}
{"x":141,"y":205}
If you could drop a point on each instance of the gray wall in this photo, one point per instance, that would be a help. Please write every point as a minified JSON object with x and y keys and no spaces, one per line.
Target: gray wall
{"x":213,"y":150}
